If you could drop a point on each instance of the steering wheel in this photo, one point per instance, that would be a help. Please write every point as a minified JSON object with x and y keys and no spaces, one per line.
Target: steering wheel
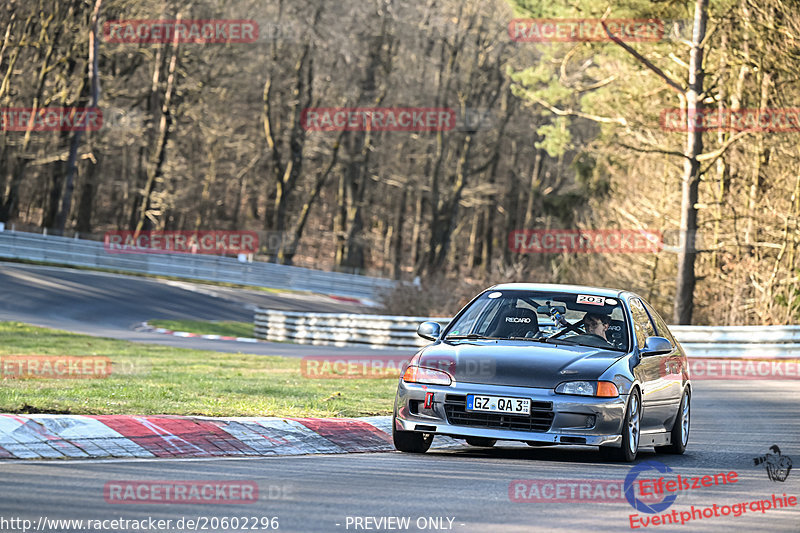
{"x":571,"y":327}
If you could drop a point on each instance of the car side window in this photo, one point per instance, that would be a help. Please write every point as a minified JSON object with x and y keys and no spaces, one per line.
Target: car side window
{"x":642,"y":325}
{"x":661,"y":327}
{"x":467,"y":323}
{"x":488,"y":317}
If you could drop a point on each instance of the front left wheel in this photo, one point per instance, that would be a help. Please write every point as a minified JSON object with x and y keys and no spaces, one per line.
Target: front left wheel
{"x":630,"y":432}
{"x":410,"y":441}
{"x":680,"y":429}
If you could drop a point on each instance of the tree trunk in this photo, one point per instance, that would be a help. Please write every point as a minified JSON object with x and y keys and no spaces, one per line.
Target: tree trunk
{"x":9,"y":207}
{"x":685,"y":283}
{"x":94,"y":87}
{"x":416,"y":234}
{"x":760,"y":162}
{"x":50,"y":202}
{"x":286,"y":253}
{"x":145,"y":218}
{"x":83,"y":223}
{"x":474,"y":248}
{"x":397,"y":244}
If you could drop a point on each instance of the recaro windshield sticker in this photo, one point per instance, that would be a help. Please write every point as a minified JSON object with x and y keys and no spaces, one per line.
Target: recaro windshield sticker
{"x":591,"y":300}
{"x":495,"y":295}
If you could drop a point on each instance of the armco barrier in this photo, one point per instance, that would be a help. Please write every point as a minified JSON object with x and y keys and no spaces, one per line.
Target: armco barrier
{"x":340,"y":329}
{"x":771,"y":342}
{"x":85,"y":253}
{"x":382,"y":331}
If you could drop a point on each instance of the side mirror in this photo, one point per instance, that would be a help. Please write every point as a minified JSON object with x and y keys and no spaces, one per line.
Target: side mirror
{"x":656,"y":346}
{"x":429,"y":330}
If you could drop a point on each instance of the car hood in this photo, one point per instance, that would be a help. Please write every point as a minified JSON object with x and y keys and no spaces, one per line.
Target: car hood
{"x":517,"y":363}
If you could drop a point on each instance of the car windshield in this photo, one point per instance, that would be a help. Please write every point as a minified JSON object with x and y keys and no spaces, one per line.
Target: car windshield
{"x":584,"y":319}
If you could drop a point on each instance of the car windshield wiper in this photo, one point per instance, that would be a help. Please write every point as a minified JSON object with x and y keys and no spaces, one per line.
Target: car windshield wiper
{"x":545,"y":340}
{"x":571,"y":342}
{"x":471,"y":336}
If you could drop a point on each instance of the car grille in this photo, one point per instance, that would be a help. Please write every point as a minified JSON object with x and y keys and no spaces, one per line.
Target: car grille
{"x":540,"y":419}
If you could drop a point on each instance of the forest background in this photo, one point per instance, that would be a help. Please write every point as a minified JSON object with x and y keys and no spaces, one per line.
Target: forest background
{"x":549,"y":135}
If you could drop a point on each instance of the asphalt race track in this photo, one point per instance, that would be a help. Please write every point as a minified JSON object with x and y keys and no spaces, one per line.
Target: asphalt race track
{"x":732,"y":424}
{"x":112,"y":305}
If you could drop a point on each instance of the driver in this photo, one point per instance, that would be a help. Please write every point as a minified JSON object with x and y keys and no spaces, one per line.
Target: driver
{"x":597,"y":324}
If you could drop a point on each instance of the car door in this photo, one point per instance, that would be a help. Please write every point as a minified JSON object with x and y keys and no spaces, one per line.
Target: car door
{"x":673,"y":363}
{"x":658,"y":388}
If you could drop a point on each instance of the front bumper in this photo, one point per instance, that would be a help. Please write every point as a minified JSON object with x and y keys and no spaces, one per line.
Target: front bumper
{"x":556,"y":418}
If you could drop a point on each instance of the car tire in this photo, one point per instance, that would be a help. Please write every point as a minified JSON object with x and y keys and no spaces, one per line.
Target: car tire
{"x":481,"y":442}
{"x":410,"y":441}
{"x":631,"y":428}
{"x":680,"y":429}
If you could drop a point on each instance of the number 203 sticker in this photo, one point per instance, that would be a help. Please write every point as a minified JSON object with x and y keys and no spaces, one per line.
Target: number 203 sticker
{"x":591,"y":300}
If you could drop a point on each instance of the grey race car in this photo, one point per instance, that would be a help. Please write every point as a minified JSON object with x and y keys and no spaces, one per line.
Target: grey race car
{"x":548,"y":364}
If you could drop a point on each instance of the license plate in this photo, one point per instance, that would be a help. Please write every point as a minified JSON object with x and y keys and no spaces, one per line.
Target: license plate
{"x":499,"y":404}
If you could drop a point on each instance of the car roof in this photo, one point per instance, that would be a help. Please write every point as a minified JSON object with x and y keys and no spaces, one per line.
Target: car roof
{"x":575,"y":289}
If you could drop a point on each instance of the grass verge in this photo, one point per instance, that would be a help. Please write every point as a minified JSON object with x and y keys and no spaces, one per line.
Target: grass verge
{"x":153,"y":379}
{"x":203,"y":327}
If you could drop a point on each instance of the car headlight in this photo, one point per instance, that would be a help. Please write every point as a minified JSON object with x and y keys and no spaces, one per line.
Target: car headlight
{"x":600,"y":389}
{"x":420,"y":374}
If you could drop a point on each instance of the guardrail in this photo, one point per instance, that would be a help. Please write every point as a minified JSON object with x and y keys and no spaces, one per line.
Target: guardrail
{"x":340,"y":329}
{"x":380,"y":331}
{"x":85,"y":253}
{"x":772,"y":342}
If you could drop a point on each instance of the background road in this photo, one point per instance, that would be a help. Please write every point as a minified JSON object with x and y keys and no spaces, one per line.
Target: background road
{"x":733,"y":422}
{"x":112,"y":305}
